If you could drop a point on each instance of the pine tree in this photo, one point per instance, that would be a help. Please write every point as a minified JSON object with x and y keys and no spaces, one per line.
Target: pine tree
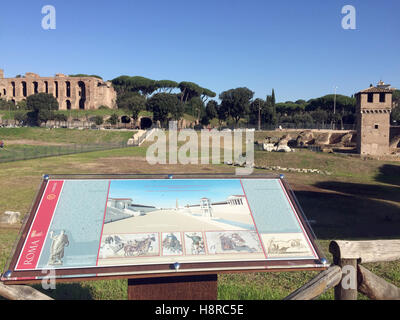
{"x":270,"y":109}
{"x":273,"y":101}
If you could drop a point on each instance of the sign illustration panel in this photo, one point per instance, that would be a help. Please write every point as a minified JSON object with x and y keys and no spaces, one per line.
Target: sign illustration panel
{"x":109,"y":223}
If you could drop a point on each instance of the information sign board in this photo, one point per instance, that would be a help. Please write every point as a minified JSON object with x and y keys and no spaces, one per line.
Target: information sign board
{"x":126,"y":226}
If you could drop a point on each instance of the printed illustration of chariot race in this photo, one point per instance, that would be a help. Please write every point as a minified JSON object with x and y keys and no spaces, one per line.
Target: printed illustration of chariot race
{"x":132,"y":245}
{"x":188,"y":220}
{"x":178,"y":244}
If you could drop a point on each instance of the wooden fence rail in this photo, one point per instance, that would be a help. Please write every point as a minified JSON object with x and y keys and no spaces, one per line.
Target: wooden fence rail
{"x":317,"y":286}
{"x":375,"y":287}
{"x":21,"y":293}
{"x":366,"y":251}
{"x":347,"y":275}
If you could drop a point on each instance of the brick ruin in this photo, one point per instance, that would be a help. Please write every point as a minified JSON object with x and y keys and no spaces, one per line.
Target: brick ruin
{"x":72,"y":93}
{"x":373,"y":109}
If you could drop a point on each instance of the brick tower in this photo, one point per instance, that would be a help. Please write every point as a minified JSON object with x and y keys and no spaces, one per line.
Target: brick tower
{"x":374,"y":106}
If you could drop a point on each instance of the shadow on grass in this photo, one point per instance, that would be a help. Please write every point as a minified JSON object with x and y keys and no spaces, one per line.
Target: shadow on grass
{"x":389,"y":173}
{"x":350,"y":217}
{"x":382,"y":192}
{"x":67,"y":291}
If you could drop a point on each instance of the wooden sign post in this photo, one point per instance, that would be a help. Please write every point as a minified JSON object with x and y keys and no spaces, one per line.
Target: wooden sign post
{"x":200,"y":287}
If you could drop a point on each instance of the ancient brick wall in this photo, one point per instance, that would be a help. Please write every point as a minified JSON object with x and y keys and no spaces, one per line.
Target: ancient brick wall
{"x":71,"y":92}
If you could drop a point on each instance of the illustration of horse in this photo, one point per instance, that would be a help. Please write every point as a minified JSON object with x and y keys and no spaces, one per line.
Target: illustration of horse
{"x":234,"y":242}
{"x":172,"y":243}
{"x":197,"y":244}
{"x":139,"y":248}
{"x":282,"y":246}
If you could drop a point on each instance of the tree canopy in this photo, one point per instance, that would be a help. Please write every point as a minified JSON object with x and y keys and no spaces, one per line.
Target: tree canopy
{"x":343,"y":103}
{"x":142,"y":85}
{"x":133,"y":102}
{"x":289,"y":107}
{"x":162,"y":104}
{"x":189,"y":90}
{"x":256,"y":108}
{"x":166,"y":85}
{"x":42,"y":106}
{"x":207,"y":93}
{"x":211,"y":109}
{"x":237,"y":102}
{"x":41,"y":101}
{"x":269,"y":110}
{"x":82,"y":75}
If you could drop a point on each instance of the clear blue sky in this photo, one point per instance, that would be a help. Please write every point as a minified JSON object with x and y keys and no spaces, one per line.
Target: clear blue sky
{"x":297,"y":47}
{"x":164,"y":193}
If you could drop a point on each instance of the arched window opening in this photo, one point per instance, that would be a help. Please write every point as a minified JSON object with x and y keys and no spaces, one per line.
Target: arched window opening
{"x":82,"y":94}
{"x":68,"y":88}
{"x":145,"y":123}
{"x":56,"y":87}
{"x":24,"y":92}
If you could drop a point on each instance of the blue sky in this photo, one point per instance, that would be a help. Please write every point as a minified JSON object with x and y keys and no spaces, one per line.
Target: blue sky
{"x":296,"y":47}
{"x":163,"y":193}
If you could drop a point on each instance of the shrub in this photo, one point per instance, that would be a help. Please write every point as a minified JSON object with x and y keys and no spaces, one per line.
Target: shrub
{"x":6,"y":105}
{"x":114,"y":119}
{"x":60,"y":117}
{"x":21,"y":117}
{"x":41,"y":101}
{"x":41,"y":106}
{"x":98,"y":120}
{"x":21,"y":105}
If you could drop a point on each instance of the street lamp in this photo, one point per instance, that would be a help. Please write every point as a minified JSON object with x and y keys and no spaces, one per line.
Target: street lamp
{"x":334,"y":109}
{"x":334,"y":104}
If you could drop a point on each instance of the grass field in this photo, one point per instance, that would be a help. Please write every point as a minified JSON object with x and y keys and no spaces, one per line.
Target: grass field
{"x":63,"y":136}
{"x":359,"y":200}
{"x":30,"y":143}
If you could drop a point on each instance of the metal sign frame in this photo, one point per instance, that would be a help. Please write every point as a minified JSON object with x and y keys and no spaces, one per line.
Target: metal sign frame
{"x":15,"y":276}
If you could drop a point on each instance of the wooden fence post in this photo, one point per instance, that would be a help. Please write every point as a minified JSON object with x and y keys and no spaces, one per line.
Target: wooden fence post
{"x":353,"y":253}
{"x":347,"y":287}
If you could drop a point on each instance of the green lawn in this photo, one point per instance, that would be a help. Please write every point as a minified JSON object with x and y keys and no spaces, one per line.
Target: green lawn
{"x":70,"y":136}
{"x":26,"y":152}
{"x":30,"y":143}
{"x":360,"y":200}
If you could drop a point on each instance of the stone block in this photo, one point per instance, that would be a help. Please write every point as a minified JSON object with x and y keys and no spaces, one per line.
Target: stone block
{"x":10,"y":217}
